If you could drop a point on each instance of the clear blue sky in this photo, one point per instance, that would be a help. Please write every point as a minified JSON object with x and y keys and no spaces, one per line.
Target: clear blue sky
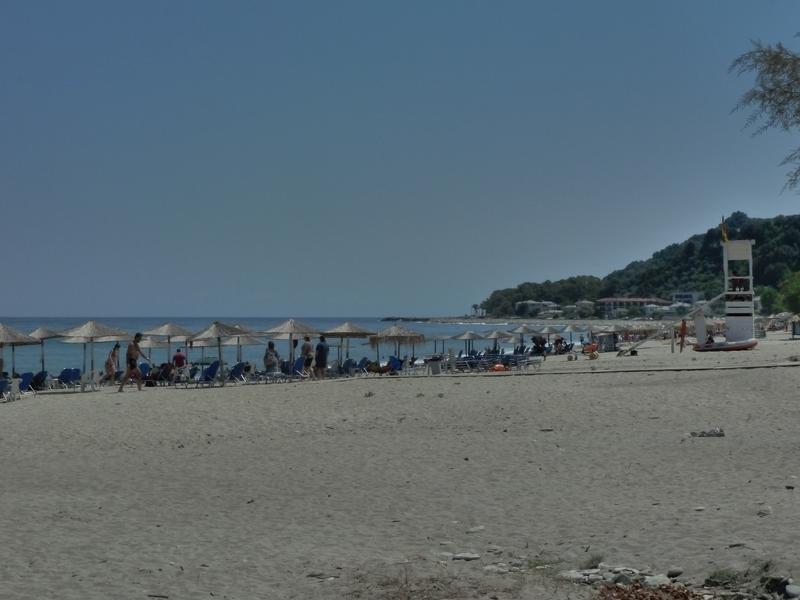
{"x":205,"y":158}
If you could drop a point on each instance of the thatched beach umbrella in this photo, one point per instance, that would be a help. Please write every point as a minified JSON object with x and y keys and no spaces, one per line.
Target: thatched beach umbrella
{"x":521,"y":330}
{"x":171,"y":331}
{"x":150,"y":343}
{"x":12,"y":337}
{"x":293,"y":328}
{"x":346,"y":331}
{"x":42,"y":334}
{"x":548,"y":330}
{"x":573,"y":328}
{"x":468,"y":337}
{"x":91,"y":332}
{"x":397,"y":335}
{"x":217,"y":331}
{"x":497,"y":335}
{"x":242,"y":340}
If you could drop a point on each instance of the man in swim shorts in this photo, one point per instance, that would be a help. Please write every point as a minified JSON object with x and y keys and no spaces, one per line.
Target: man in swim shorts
{"x":131,"y":368}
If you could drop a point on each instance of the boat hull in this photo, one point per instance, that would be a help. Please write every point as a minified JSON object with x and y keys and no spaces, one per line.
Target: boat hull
{"x":726,"y":346}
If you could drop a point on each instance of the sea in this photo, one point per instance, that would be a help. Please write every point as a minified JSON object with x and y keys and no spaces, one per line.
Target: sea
{"x":59,"y":355}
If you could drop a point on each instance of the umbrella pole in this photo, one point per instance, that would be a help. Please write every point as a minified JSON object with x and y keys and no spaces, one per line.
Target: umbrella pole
{"x":13,"y":368}
{"x":91,"y":350}
{"x":41,"y":343}
{"x":221,"y":364}
{"x":83,"y":373}
{"x":169,"y":358}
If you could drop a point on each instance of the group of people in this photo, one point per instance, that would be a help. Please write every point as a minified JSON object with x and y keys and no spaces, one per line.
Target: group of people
{"x":164,"y":372}
{"x":315,"y":359}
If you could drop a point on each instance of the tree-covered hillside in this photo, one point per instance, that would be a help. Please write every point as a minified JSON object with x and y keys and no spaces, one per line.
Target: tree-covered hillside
{"x":692,"y":265}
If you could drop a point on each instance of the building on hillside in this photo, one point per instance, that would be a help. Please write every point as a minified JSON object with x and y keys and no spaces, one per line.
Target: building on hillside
{"x":535,"y":306}
{"x":615,"y":307}
{"x":687,"y":297}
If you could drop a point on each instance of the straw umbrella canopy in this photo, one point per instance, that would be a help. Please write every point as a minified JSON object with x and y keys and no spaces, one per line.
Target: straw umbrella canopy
{"x":573,"y":328}
{"x":522,"y":330}
{"x":397,"y":335}
{"x":170,"y":331}
{"x":549,"y":329}
{"x":468,"y":336}
{"x":14,"y":338}
{"x":42,"y":334}
{"x":217,"y":331}
{"x":346,"y":331}
{"x":151,"y":342}
{"x":242,"y":340}
{"x":293,"y":328}
{"x":91,"y":332}
{"x":497,"y":335}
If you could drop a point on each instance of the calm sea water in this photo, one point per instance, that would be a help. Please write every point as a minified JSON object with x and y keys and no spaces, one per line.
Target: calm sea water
{"x":59,"y":355}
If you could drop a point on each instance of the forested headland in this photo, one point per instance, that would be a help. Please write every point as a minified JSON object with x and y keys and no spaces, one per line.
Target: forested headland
{"x":692,"y":265}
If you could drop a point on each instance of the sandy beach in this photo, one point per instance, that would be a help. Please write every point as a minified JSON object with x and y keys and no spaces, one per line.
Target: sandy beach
{"x":365,"y":488}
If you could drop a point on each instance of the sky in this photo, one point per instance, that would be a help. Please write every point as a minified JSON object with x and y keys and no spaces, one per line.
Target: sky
{"x":361,"y":158}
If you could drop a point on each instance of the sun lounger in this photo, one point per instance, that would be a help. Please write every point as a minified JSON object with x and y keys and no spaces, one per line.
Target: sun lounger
{"x":209,"y":375}
{"x":299,"y":370}
{"x":25,"y":388}
{"x":236,"y":374}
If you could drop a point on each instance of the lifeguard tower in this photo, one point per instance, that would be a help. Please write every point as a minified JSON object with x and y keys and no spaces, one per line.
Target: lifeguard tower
{"x":737,"y":256}
{"x":737,"y":263}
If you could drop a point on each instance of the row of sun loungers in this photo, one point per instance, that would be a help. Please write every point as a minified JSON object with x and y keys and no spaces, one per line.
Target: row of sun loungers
{"x":73,"y":379}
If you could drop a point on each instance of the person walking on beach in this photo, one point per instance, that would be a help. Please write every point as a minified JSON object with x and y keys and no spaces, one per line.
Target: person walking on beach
{"x":111,"y":364}
{"x":307,"y":352}
{"x":682,"y":333}
{"x":321,"y":358}
{"x":131,"y":368}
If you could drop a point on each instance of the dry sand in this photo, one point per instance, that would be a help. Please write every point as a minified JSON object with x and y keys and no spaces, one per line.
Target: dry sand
{"x":352,"y":488}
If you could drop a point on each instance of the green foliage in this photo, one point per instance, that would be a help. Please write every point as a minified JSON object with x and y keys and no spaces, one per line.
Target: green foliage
{"x":775,"y":97}
{"x":692,"y":265}
{"x":771,"y":301}
{"x":790,"y":292}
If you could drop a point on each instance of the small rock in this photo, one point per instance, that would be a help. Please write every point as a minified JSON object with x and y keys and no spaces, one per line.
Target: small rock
{"x":495,"y":569}
{"x":446,"y":543}
{"x":792,"y":591}
{"x":466,"y":556}
{"x":622,"y":579}
{"x":765,"y":512}
{"x":674,"y":572}
{"x":369,"y":395}
{"x":317,"y":574}
{"x":517,"y":563}
{"x":715,"y":432}
{"x":573,"y":575}
{"x":595,"y":577}
{"x":656,"y":580}
{"x":699,"y":508}
{"x":476,"y":529}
